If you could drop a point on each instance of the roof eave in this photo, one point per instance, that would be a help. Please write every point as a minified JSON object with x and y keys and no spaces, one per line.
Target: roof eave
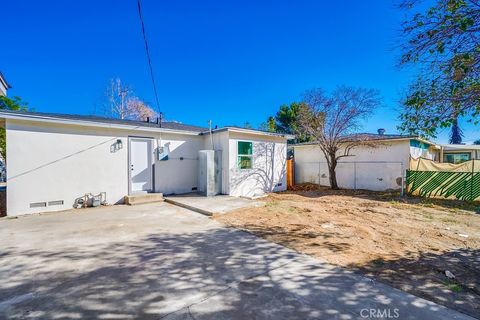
{"x":36,"y":118}
{"x":380,"y":140}
{"x":251,"y":131}
{"x":4,"y":81}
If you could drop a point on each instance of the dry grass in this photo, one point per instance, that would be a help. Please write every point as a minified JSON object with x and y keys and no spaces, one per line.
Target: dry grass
{"x":408,"y":243}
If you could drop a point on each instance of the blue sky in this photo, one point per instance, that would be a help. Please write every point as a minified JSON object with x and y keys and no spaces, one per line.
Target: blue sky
{"x":225,"y":61}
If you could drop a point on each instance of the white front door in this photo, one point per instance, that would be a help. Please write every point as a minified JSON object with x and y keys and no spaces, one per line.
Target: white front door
{"x":140,"y":166}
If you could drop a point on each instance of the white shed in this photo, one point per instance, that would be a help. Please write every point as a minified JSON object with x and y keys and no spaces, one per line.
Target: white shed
{"x":376,"y":168}
{"x":53,"y":159}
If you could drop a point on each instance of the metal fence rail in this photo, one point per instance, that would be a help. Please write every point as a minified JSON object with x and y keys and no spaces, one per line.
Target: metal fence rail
{"x":369,"y":175}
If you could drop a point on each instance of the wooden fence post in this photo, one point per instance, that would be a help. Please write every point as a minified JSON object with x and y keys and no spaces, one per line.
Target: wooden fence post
{"x":290,"y":173}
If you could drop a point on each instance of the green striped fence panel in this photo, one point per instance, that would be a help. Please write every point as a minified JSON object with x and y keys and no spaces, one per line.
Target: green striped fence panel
{"x":457,"y":185}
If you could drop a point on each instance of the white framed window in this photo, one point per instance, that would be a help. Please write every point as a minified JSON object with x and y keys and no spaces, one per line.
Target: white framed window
{"x":456,"y":157}
{"x":244,"y":155}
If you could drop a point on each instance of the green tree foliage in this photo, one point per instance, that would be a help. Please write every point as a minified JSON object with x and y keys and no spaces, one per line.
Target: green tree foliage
{"x":14,"y":104}
{"x":476,"y":142}
{"x":286,"y":121}
{"x":443,"y":43}
{"x":286,"y":118}
{"x":270,"y":125}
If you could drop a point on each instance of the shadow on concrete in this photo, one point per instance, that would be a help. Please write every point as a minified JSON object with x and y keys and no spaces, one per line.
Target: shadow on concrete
{"x":221,"y":273}
{"x":424,"y":276}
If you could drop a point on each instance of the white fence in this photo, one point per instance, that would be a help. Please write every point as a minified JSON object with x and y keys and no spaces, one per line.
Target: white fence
{"x":368,"y":175}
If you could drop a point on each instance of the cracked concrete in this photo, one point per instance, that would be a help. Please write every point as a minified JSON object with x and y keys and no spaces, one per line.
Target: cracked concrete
{"x":159,"y":261}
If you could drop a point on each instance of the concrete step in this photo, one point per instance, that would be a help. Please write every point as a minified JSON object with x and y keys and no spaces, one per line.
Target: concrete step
{"x":142,"y":198}
{"x":209,"y":206}
{"x":189,"y":206}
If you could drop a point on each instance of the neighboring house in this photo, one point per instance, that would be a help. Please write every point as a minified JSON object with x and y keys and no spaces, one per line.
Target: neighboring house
{"x":54,"y":159}
{"x":4,"y":86}
{"x":379,"y":168}
{"x":458,"y":153}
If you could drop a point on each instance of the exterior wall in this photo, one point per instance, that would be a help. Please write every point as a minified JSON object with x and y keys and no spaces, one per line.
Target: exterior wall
{"x":368,"y":173}
{"x":55,"y":162}
{"x":178,"y":174}
{"x":50,"y":162}
{"x":269,"y":166}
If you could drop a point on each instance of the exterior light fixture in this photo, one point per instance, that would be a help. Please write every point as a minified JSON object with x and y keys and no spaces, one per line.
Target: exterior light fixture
{"x":116,"y":146}
{"x":119,"y":144}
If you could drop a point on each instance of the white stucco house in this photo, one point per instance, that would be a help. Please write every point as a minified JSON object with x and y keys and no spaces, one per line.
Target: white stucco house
{"x":53,"y":159}
{"x":377,"y":168}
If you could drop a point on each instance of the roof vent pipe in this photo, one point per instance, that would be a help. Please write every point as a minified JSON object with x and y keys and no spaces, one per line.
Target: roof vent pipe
{"x":381,"y":131}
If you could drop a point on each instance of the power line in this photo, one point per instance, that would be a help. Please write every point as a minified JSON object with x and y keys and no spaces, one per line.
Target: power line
{"x":139,"y":5}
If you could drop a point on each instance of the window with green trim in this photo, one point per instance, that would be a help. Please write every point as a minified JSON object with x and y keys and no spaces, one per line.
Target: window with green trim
{"x":244,"y":155}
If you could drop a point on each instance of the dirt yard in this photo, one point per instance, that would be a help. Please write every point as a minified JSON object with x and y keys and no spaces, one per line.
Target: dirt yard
{"x":408,"y":243}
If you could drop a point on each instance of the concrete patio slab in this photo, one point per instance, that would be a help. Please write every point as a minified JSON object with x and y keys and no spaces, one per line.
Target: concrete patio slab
{"x":211,"y":205}
{"x":159,"y":261}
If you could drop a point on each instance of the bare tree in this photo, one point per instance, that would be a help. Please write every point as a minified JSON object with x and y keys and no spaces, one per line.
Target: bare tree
{"x":122,"y":103}
{"x":138,"y":109}
{"x":333,"y":120}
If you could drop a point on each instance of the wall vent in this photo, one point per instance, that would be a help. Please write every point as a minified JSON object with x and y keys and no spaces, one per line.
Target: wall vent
{"x":55,"y":203}
{"x":38,"y":204}
{"x":279,"y":184}
{"x":194,"y":189}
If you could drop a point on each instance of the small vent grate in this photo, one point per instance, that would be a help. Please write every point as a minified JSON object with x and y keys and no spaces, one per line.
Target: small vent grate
{"x":55,"y":203}
{"x":38,"y":204}
{"x":279,"y":184}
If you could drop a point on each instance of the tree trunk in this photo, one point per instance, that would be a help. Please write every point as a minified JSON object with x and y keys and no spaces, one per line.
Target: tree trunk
{"x":332,"y":174}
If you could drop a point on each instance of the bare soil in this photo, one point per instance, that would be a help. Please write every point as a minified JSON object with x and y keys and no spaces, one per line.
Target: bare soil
{"x":408,"y":243}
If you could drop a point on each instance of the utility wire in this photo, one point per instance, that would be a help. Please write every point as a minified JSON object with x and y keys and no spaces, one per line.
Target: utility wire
{"x":148,"y":55}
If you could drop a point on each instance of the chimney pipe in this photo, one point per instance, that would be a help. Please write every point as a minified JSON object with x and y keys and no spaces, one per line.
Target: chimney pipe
{"x":381,"y":131}
{"x":148,"y":119}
